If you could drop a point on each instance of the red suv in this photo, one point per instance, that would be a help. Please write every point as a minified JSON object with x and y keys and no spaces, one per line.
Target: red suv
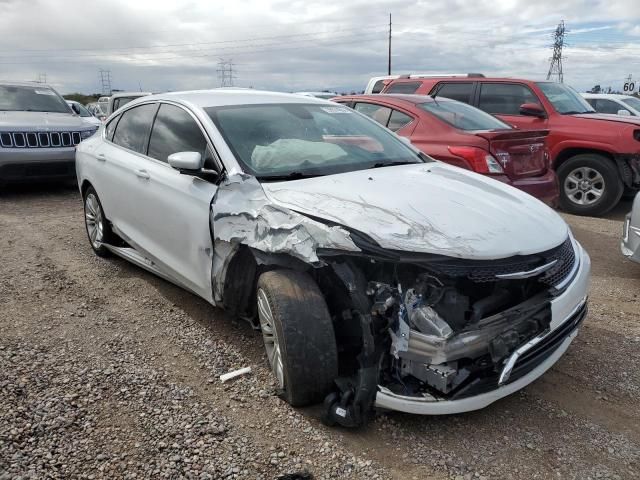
{"x":596,"y":156}
{"x":464,"y":136}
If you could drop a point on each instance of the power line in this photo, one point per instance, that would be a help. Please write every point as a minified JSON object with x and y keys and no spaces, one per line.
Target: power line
{"x":555,"y":69}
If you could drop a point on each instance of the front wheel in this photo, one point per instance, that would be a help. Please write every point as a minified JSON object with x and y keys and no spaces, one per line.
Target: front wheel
{"x":589,"y":185}
{"x":298,"y":335}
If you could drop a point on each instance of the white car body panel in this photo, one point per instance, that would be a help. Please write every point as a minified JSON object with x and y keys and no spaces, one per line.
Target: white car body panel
{"x":616,"y":98}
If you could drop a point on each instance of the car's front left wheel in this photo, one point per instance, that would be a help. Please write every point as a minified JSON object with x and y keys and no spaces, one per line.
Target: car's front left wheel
{"x":97,"y":226}
{"x":298,"y":335}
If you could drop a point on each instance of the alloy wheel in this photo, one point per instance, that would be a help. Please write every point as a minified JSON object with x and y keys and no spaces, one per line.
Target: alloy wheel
{"x":94,"y":220}
{"x":584,"y":186}
{"x":270,"y":337}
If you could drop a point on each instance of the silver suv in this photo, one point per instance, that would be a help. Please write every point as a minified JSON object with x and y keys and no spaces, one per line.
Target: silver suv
{"x":38,"y":133}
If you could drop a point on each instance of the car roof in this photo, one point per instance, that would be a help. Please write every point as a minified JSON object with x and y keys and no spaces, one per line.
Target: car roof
{"x":129,"y":94}
{"x":24,"y":84}
{"x":229,"y":96}
{"x":606,"y":95}
{"x":404,"y":97}
{"x":468,"y":79}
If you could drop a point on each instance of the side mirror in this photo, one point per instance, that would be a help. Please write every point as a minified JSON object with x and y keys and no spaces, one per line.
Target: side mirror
{"x":624,"y":112}
{"x":532,"y":110}
{"x":190,"y":161}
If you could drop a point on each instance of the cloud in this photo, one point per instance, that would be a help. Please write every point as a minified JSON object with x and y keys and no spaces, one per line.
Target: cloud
{"x":303,"y":45}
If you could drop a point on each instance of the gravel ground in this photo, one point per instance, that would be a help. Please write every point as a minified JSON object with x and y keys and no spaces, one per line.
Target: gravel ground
{"x":109,"y":372}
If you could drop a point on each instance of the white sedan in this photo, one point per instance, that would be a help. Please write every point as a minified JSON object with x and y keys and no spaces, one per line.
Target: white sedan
{"x":377,"y":276}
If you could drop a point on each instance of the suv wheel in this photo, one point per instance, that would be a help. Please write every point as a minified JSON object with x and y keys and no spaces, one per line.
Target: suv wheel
{"x":98,"y":229}
{"x":298,"y":335}
{"x":589,"y":185}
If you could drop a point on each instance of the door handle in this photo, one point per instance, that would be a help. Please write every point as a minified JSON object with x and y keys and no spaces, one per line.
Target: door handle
{"x":101,"y":157}
{"x":143,"y":174}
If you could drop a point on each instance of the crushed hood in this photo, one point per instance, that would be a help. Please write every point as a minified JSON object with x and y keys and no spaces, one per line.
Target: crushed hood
{"x":428,"y":208}
{"x":40,"y":121}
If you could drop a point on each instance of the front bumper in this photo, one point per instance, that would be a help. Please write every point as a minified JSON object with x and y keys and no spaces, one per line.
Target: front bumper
{"x":19,"y":164}
{"x":567,"y":309}
{"x":630,"y":244}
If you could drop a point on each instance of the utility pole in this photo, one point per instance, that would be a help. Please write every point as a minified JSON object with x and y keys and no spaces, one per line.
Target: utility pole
{"x":555,"y":69}
{"x":225,"y":72}
{"x":389,"y":59}
{"x":105,"y":82}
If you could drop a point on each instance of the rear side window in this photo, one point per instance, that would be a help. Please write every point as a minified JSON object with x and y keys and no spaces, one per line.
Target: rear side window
{"x":133,"y":128}
{"x":456,"y":91}
{"x":398,"y":120}
{"x":504,"y":98}
{"x":379,"y":113}
{"x":110,"y":128}
{"x":463,"y":116}
{"x":378,"y":86}
{"x":121,"y":101}
{"x":175,"y":131}
{"x":403,"y":87}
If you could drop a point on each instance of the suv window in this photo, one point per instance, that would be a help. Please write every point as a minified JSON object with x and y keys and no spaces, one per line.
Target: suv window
{"x":379,"y":113}
{"x":398,"y":120}
{"x":504,"y":98}
{"x":133,"y":127}
{"x":121,"y":101}
{"x":175,"y":131}
{"x":606,"y":106}
{"x":456,"y":91}
{"x":378,"y":86}
{"x":403,"y":87}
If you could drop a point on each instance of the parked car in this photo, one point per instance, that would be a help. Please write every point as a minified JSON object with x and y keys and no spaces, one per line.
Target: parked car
{"x":462,"y":135}
{"x":323,"y":95}
{"x":38,"y":133}
{"x":377,"y":275}
{"x":377,"y":84}
{"x":614,"y":104}
{"x":120,"y":99}
{"x":631,"y":233}
{"x":84,"y":113}
{"x":596,"y":156}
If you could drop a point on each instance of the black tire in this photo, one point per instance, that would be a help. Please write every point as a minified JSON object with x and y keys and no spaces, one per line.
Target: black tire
{"x":107,"y":235}
{"x":304,"y":334}
{"x":611,"y":184}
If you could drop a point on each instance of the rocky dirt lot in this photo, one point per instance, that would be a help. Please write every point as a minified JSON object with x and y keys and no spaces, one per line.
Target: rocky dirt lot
{"x":109,"y":372}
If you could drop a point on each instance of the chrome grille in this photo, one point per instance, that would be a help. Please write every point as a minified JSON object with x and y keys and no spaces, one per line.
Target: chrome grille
{"x":39,"y":139}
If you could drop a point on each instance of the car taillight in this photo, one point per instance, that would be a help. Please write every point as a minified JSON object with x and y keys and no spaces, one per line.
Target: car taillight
{"x":480,"y":160}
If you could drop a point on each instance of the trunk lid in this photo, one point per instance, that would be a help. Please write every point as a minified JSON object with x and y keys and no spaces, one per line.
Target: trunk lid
{"x":520,"y":153}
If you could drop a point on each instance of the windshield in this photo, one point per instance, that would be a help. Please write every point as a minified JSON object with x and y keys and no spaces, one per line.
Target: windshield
{"x":83,"y":111}
{"x":463,"y":116}
{"x":276,"y":141}
{"x":633,"y":103}
{"x":565,"y":99}
{"x":31,"y":99}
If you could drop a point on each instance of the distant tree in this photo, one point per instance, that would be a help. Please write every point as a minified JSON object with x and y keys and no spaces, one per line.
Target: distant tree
{"x":595,"y":89}
{"x":81,"y":98}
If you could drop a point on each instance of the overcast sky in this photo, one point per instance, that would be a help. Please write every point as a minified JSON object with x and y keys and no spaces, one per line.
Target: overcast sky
{"x":310,"y":45}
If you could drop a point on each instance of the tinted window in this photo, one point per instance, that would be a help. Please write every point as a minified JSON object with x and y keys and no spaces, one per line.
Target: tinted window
{"x":379,"y":113}
{"x":463,"y":116}
{"x":110,"y":128}
{"x":607,"y":106}
{"x":632,"y":102}
{"x":456,"y":91}
{"x":398,"y":120}
{"x":175,"y":131}
{"x":504,"y":98}
{"x":33,"y":99}
{"x":403,"y":87}
{"x":378,"y":86}
{"x":133,"y":127}
{"x":564,"y":99}
{"x":121,"y":101}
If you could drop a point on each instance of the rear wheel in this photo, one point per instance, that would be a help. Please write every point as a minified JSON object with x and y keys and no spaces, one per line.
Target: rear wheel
{"x":589,"y":185}
{"x":298,"y":335}
{"x":98,"y":229}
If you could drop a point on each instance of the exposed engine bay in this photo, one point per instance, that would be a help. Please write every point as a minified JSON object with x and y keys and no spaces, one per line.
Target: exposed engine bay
{"x":431,"y":327}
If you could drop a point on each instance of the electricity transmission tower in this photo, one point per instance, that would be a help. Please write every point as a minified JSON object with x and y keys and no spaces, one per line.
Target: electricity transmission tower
{"x":105,"y":81}
{"x":225,"y":73}
{"x":42,"y":78}
{"x":555,"y":69}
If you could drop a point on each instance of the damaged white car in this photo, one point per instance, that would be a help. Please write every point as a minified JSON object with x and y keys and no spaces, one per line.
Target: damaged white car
{"x":378,"y":276}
